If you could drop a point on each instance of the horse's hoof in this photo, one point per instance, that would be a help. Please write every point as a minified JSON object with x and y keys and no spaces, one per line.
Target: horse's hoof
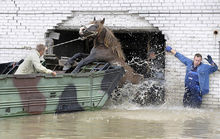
{"x":66,"y":66}
{"x":74,"y":71}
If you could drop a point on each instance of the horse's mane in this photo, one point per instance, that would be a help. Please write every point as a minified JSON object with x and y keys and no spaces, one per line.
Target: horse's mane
{"x":111,"y":41}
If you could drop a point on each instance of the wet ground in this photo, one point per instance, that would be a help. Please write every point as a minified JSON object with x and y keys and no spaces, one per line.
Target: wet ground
{"x":124,"y":121}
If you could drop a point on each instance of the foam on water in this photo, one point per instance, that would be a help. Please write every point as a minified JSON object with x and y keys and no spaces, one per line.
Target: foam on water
{"x":149,"y":92}
{"x":158,"y":113}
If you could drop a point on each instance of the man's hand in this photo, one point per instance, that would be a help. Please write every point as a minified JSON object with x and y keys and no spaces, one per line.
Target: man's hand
{"x":209,"y":59}
{"x":54,"y":73}
{"x":168,"y":49}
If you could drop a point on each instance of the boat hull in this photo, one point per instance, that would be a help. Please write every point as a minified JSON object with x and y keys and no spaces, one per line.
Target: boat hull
{"x":41,"y":93}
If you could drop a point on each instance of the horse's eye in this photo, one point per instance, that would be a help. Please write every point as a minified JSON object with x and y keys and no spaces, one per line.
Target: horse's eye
{"x":94,"y":27}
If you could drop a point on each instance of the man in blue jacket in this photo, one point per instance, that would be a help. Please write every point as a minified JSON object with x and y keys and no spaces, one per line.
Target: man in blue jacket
{"x":196,"y":78}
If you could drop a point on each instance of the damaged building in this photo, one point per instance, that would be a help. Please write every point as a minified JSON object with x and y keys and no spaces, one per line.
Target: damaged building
{"x":144,"y":28}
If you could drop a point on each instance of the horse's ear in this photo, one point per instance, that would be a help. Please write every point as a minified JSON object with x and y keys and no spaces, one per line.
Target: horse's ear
{"x":103,"y":21}
{"x":94,"y":19}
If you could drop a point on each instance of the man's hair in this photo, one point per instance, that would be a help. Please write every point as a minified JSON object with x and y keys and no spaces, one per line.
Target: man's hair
{"x":198,"y":55}
{"x":40,"y":47}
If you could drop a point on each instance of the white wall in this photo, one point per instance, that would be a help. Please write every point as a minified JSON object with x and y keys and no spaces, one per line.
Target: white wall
{"x":188,"y":25}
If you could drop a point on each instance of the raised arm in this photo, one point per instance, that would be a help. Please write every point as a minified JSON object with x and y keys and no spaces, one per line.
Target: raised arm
{"x":213,"y":66}
{"x":181,"y":57}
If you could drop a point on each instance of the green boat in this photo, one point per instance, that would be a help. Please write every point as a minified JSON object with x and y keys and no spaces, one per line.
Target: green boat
{"x":66,"y":92}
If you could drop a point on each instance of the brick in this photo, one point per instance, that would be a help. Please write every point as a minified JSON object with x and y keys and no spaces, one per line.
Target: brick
{"x":188,"y":25}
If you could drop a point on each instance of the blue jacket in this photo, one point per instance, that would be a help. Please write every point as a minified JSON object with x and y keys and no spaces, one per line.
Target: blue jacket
{"x":203,"y":70}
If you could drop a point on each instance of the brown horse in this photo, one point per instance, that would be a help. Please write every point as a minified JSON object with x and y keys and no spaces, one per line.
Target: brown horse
{"x":106,"y":47}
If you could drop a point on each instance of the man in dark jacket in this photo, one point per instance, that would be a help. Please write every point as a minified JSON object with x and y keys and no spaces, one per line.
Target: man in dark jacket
{"x":196,"y":78}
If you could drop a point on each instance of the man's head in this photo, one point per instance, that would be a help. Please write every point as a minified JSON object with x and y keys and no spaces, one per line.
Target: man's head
{"x":197,"y":59}
{"x":41,"y":49}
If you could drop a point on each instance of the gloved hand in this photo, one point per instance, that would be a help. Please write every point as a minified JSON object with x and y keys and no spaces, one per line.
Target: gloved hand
{"x":209,"y":59}
{"x":168,"y":49}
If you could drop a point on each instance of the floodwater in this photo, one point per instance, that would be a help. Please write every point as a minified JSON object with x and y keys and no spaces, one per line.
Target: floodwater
{"x":121,"y":118}
{"x":116,"y":122}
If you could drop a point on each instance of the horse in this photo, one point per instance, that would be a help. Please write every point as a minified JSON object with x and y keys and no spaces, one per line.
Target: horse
{"x":106,"y":47}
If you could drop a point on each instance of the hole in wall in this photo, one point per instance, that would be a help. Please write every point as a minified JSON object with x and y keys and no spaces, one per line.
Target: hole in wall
{"x":143,"y":49}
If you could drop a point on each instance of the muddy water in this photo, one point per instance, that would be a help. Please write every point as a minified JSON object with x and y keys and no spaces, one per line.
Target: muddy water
{"x":116,"y":122}
{"x":120,"y":118}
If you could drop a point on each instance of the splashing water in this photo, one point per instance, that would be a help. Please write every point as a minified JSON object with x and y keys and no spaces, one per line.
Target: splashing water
{"x":149,"y":92}
{"x":150,"y":68}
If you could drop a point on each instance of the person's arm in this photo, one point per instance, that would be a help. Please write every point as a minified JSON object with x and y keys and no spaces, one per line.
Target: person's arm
{"x":170,"y":49}
{"x":181,"y":57}
{"x":213,"y":66}
{"x":173,"y":51}
{"x":39,"y":67}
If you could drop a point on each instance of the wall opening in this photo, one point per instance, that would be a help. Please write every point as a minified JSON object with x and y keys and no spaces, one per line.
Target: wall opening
{"x":144,"y":50}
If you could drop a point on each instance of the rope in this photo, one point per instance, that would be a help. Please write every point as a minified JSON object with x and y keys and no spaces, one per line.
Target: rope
{"x":65,"y":42}
{"x":80,"y":38}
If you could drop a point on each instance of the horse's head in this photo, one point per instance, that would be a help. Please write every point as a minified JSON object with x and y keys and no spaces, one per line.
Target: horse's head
{"x":93,"y":27}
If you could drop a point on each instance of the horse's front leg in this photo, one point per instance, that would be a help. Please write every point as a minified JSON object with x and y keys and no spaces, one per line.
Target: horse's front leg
{"x":70,"y":61}
{"x":77,"y":55}
{"x":84,"y":62}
